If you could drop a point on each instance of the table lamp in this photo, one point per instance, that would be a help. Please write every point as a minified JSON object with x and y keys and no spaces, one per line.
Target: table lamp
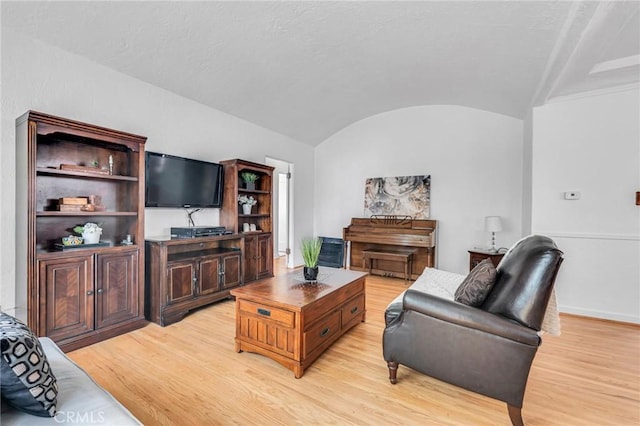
{"x":493,"y":224}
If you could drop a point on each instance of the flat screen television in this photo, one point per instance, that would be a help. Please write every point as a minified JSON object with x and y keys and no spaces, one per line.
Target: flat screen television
{"x":182,"y":182}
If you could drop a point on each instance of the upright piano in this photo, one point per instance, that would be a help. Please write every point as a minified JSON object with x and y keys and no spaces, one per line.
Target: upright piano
{"x":391,"y":233}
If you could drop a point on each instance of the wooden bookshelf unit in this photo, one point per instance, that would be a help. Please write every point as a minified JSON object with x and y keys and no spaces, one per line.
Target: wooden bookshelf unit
{"x":258,"y":244}
{"x":84,"y":294}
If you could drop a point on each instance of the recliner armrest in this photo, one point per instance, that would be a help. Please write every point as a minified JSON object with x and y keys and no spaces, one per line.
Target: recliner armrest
{"x":468,"y":316}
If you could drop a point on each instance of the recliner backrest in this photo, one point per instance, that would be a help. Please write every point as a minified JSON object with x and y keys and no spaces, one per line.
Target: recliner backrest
{"x":524,"y":281}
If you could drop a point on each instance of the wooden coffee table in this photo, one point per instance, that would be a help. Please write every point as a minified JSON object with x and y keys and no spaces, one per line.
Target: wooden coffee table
{"x":292,"y":321}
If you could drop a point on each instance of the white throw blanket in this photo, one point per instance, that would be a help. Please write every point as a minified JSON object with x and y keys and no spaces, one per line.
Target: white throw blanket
{"x":444,"y":284}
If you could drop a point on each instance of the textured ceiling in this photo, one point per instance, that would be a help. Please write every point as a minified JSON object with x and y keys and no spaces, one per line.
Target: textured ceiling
{"x":308,"y":69}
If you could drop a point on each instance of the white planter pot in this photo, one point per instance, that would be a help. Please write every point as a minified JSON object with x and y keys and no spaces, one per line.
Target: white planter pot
{"x":246,"y":209}
{"x":91,"y":237}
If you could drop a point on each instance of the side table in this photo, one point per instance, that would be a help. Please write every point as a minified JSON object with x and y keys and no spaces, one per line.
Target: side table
{"x":477,"y":256}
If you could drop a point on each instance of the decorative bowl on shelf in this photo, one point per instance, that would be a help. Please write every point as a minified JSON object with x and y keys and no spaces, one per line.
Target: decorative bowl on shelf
{"x":71,"y":240}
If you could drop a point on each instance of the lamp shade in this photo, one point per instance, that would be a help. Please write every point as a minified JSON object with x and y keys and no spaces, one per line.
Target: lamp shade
{"x":492,"y":224}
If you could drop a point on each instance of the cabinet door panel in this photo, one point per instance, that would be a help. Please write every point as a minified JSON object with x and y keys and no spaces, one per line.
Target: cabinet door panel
{"x":67,"y":286}
{"x":265,"y":256}
{"x":250,"y":258}
{"x":180,"y":281}
{"x":116,"y":287}
{"x":209,"y":275}
{"x":231,"y":271}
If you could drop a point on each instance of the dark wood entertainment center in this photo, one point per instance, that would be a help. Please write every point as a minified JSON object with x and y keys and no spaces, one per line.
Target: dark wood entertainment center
{"x":69,"y":173}
{"x":185,"y":274}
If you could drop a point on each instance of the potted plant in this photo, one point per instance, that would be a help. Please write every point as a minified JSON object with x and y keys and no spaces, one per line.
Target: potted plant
{"x":249,"y":179}
{"x":90,"y":232}
{"x":247,"y":202}
{"x":310,"y":254}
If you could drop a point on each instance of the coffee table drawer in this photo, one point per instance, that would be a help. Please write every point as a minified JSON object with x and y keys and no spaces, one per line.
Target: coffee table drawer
{"x":352,"y":290}
{"x":352,"y":309}
{"x":281,"y":316}
{"x":322,"y":332}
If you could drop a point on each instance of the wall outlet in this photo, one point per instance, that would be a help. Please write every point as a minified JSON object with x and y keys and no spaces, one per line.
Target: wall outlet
{"x":572,"y":195}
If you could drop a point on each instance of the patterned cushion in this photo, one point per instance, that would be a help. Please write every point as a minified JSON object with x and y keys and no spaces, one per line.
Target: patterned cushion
{"x":477,"y":285}
{"x":27,"y":382}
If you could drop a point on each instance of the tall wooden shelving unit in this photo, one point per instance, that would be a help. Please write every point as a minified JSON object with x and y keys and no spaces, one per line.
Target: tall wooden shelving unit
{"x":258,"y":245}
{"x":78,"y":296}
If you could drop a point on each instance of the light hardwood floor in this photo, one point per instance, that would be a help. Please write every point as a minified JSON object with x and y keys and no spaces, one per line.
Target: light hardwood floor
{"x":189,"y":374}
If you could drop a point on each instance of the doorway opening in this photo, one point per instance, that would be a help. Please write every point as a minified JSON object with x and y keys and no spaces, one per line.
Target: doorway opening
{"x":282,"y":209}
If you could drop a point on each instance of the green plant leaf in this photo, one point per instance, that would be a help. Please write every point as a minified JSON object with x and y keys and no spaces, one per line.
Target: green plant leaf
{"x":249,"y":176}
{"x":310,"y":248}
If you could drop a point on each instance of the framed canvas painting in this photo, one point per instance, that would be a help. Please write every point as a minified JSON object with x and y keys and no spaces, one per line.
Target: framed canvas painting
{"x":398,"y":196}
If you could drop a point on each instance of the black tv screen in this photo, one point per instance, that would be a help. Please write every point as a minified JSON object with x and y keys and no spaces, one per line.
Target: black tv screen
{"x":182,"y":182}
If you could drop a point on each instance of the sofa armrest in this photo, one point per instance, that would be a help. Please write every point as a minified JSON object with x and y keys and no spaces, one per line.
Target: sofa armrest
{"x":469,"y":317}
{"x":80,"y":399}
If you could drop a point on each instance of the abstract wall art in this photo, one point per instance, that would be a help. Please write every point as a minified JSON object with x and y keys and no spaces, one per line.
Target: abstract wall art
{"x":398,"y":196}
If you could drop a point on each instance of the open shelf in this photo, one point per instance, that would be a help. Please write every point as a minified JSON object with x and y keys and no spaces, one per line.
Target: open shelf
{"x":71,"y":214}
{"x":83,"y":175}
{"x":253,"y":191}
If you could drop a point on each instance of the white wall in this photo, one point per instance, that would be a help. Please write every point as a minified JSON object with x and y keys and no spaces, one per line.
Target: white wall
{"x":527,"y":158}
{"x":39,"y":77}
{"x":474,"y":158}
{"x":591,"y":144}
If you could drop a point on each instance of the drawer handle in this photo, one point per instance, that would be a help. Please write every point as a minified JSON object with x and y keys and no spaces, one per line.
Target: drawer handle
{"x":354,"y":309}
{"x":264,"y":312}
{"x":324,"y":332}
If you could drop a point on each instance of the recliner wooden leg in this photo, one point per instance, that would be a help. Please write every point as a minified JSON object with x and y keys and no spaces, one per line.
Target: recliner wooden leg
{"x":515,"y":414}
{"x":393,"y":370}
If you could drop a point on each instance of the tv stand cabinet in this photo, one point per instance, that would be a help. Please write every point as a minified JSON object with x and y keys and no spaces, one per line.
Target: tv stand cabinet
{"x":185,"y":274}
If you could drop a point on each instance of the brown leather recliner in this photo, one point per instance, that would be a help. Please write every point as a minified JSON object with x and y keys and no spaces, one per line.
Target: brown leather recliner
{"x":487,"y":349}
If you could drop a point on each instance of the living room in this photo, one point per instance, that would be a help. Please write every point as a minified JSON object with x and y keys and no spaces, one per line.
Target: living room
{"x":481,"y":163}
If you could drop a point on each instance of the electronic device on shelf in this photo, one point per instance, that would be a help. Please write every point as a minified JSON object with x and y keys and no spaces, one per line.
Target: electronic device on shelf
{"x":198,"y":231}
{"x":179,"y":182}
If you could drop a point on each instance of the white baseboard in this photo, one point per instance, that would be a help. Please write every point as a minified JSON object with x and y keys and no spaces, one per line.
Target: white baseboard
{"x":614,"y":316}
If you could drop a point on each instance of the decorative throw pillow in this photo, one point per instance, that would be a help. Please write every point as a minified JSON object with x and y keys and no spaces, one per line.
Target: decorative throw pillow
{"x":27,"y":382}
{"x":477,"y":285}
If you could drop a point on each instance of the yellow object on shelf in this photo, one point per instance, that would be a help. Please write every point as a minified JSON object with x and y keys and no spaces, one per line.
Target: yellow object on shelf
{"x":74,"y":200}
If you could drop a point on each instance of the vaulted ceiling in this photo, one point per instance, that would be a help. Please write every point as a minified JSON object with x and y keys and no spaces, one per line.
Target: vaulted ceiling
{"x":308,"y":69}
